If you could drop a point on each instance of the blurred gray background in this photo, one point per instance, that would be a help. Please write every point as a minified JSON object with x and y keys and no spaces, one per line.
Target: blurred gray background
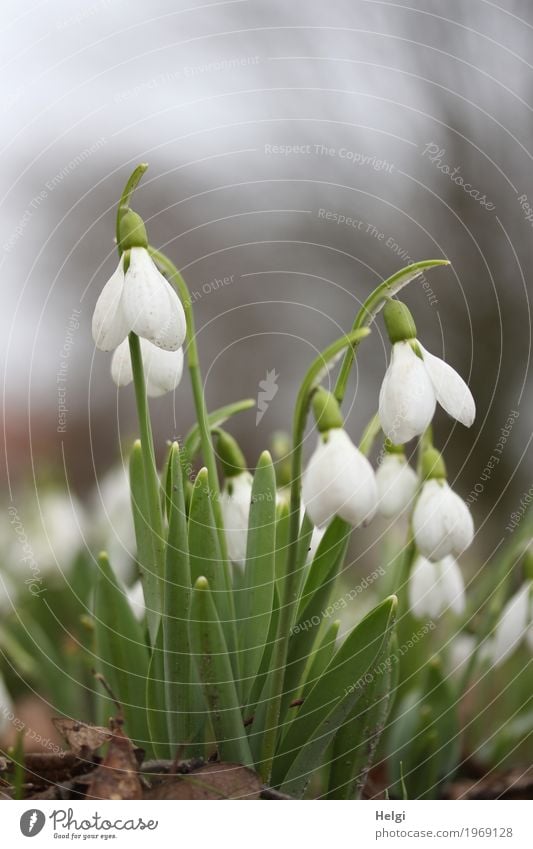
{"x":258,"y":118}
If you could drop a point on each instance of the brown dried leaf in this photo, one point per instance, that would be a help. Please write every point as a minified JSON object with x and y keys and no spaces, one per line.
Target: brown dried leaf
{"x":83,"y":739}
{"x":211,"y":781}
{"x":118,"y":776}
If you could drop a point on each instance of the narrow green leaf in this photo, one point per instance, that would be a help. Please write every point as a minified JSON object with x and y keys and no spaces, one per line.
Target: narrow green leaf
{"x":282,"y":539}
{"x":216,"y":674}
{"x":321,"y":657}
{"x":156,"y":702}
{"x":313,"y":603}
{"x":331,"y":700}
{"x":205,"y":559}
{"x":144,"y":539}
{"x":121,"y":650}
{"x":259,"y":577}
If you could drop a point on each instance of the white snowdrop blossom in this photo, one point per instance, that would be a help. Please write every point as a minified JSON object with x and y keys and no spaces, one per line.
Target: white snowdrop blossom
{"x":515,"y":625}
{"x":397,"y":483}
{"x":235,"y":501}
{"x":435,"y":588}
{"x":442,"y":522}
{"x":135,"y":596}
{"x":140,"y":300}
{"x":162,"y":369}
{"x":411,"y":388}
{"x":339,"y":481}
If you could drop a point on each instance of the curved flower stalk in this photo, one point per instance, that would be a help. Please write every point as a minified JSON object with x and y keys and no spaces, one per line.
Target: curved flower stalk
{"x":397,"y":482}
{"x":415,"y":381}
{"x":442,"y":523}
{"x":163,"y":369}
{"x":435,"y":588}
{"x":339,"y":480}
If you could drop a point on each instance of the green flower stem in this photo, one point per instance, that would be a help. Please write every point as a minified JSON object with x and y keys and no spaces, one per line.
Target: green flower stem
{"x":173,"y":275}
{"x":150,"y":469}
{"x":125,"y":198}
{"x":371,"y":307}
{"x":290,"y":582}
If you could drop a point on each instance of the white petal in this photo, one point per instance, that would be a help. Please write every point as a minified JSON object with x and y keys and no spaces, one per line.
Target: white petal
{"x":121,"y":370}
{"x":512,"y":626}
{"x":235,"y":503}
{"x":339,"y":481}
{"x":110,"y":325}
{"x":397,"y":483}
{"x":151,"y":305}
{"x":135,"y":595}
{"x":424,"y":595}
{"x":407,"y":398}
{"x":442,"y":522}
{"x":452,"y":585}
{"x":452,"y":392}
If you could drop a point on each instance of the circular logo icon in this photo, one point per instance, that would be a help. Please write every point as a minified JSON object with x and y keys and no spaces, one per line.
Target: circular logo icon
{"x":32,"y":822}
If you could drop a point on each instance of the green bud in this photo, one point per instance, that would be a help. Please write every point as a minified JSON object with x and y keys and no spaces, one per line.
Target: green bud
{"x":398,"y":321}
{"x":433,"y":466}
{"x":326,"y":410}
{"x":230,"y":455}
{"x":132,"y":232}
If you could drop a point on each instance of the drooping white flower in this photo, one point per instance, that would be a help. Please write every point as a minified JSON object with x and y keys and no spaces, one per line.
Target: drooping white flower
{"x":397,"y":483}
{"x":515,"y":625}
{"x":415,"y":381}
{"x":135,"y":596}
{"x":436,"y":587}
{"x":339,"y":481}
{"x":442,"y":522}
{"x":140,"y":300}
{"x":162,"y":369}
{"x":235,"y":500}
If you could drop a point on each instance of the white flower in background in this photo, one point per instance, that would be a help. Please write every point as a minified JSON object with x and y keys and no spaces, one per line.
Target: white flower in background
{"x":397,"y":483}
{"x":461,"y":649}
{"x":415,"y":381}
{"x":339,"y":481}
{"x":235,"y":500}
{"x":442,"y":523}
{"x":515,"y":625}
{"x":112,"y":521}
{"x":162,"y":369}
{"x":435,"y":588}
{"x":135,"y":596}
{"x":6,"y":708}
{"x":139,"y":300}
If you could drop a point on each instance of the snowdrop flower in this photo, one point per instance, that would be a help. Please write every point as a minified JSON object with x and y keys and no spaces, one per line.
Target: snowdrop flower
{"x":442,"y":523}
{"x":235,"y":498}
{"x":436,"y":587}
{"x":396,"y":482}
{"x":137,"y":298}
{"x":339,"y":480}
{"x":162,"y":369}
{"x":112,"y":521}
{"x":514,"y":625}
{"x":135,"y":596}
{"x":415,"y":381}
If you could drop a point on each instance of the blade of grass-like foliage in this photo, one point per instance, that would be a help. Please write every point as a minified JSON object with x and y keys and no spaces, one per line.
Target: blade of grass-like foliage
{"x":282,"y":539}
{"x":217,"y":418}
{"x":177,"y":601}
{"x":121,"y":650}
{"x":331,"y":700}
{"x":259,"y":573}
{"x":215,"y":670}
{"x":254,"y":708}
{"x":144,"y":539}
{"x":156,"y":702}
{"x":321,"y":657}
{"x":356,"y":741}
{"x":205,"y":560}
{"x":316,"y":592}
